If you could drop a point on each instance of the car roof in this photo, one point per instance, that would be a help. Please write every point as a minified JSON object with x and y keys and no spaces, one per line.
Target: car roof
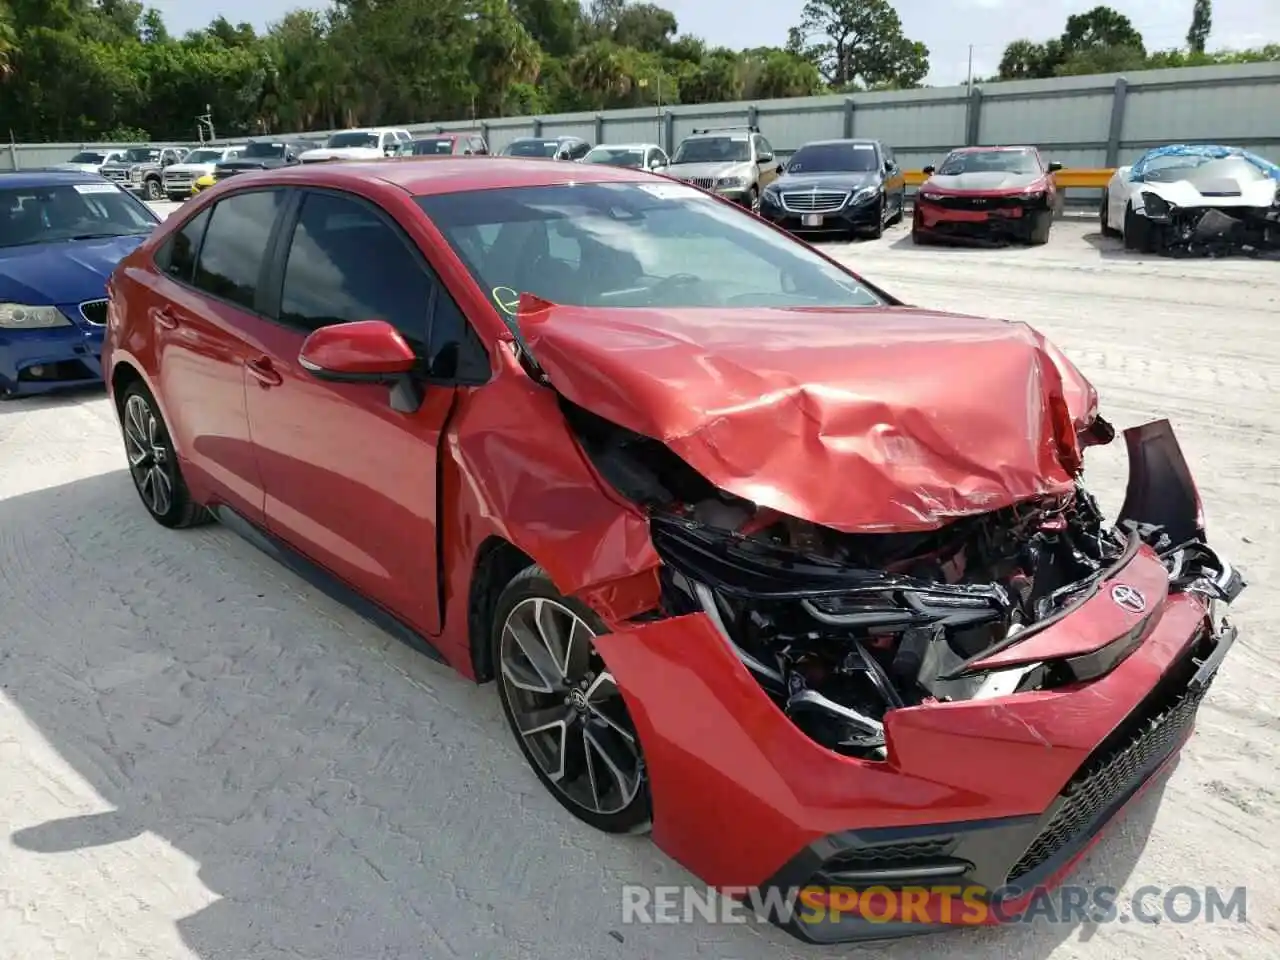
{"x":1012,"y":147}
{"x":428,"y":176}
{"x":623,"y":146}
{"x":837,"y":140}
{"x":46,"y":178}
{"x":559,"y":138}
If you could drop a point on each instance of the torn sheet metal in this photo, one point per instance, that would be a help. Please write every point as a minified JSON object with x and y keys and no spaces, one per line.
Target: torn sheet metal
{"x":861,"y":419}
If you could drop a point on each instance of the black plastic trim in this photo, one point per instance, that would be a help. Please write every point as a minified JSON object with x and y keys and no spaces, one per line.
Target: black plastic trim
{"x":324,"y":581}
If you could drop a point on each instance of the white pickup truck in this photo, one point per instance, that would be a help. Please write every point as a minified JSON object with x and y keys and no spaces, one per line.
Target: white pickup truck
{"x":365,"y":143}
{"x":179,"y":177}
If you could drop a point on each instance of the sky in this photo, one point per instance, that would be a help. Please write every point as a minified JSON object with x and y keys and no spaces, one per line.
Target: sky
{"x":948,"y":27}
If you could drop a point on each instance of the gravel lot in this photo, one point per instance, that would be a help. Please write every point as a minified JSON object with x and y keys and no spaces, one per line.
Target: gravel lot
{"x":202,"y":758}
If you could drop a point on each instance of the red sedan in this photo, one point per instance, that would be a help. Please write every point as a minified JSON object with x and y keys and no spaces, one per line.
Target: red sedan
{"x":745,"y":568}
{"x":987,"y":194}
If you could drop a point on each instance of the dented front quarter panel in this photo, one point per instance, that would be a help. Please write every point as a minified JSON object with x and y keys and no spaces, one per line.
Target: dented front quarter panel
{"x":859,"y":419}
{"x":519,"y":474}
{"x":714,"y":741}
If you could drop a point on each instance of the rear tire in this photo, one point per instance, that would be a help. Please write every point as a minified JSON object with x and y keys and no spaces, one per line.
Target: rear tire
{"x":1103,"y":214}
{"x":564,"y":708}
{"x":153,"y":463}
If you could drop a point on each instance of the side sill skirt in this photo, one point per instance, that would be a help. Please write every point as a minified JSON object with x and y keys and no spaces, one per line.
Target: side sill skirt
{"x":325,"y":582}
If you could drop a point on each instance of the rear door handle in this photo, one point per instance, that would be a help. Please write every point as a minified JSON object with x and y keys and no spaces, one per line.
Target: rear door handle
{"x":262,"y":371}
{"x":167,"y":318}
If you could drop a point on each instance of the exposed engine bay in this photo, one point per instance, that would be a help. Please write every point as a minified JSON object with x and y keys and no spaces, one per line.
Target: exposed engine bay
{"x":1213,"y":231}
{"x":841,"y":628}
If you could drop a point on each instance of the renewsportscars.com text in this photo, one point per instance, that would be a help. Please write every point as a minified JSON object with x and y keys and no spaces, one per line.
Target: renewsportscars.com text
{"x":932,"y":905}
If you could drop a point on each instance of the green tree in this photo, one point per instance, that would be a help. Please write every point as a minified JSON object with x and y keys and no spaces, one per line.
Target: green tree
{"x":1201,"y":24}
{"x":858,"y":42}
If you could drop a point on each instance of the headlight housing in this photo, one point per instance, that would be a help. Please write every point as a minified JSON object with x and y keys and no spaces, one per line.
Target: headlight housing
{"x":1032,"y":195}
{"x":731,"y":183}
{"x":930,"y":195}
{"x":21,"y":316}
{"x":866,"y":193}
{"x":1156,"y":207}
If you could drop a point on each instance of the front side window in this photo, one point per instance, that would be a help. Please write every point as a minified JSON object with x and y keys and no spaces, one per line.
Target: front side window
{"x":345,"y":263}
{"x":713,"y":150}
{"x":235,"y":245}
{"x":990,"y":161}
{"x":633,"y":245}
{"x":71,"y":211}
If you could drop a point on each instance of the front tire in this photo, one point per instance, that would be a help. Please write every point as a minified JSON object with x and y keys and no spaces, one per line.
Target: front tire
{"x":153,"y":190}
{"x":753,"y":201}
{"x":1138,"y":235}
{"x":153,"y":463}
{"x":564,"y":708}
{"x":877,"y":231}
{"x":1040,"y":230}
{"x":900,"y":214}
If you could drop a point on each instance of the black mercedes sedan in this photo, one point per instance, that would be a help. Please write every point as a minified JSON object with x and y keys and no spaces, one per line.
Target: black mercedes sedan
{"x":837,"y":188}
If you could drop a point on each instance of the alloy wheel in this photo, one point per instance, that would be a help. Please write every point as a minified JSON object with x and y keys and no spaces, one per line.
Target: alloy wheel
{"x":567,"y":708}
{"x":148,"y":454}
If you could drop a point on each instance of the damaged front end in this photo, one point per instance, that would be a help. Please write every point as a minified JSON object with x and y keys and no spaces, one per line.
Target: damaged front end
{"x":1209,"y":231}
{"x":841,"y":628}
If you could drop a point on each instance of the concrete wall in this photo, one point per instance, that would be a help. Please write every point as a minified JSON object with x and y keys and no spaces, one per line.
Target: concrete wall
{"x":1097,"y":121}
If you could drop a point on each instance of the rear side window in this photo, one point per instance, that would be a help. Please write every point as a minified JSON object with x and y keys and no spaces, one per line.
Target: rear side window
{"x":235,"y":245}
{"x":179,"y":257}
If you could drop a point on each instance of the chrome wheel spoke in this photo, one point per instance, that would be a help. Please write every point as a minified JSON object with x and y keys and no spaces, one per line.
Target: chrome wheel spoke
{"x":566,"y":707}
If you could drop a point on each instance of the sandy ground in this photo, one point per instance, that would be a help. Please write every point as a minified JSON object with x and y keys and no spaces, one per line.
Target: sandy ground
{"x":202,"y":758}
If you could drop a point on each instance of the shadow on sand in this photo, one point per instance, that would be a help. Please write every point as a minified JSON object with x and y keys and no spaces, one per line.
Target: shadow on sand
{"x":344,"y":798}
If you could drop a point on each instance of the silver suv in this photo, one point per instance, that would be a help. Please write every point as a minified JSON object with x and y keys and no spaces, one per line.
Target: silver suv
{"x":735,"y":162}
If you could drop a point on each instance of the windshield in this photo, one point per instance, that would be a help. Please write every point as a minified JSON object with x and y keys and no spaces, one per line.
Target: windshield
{"x":87,"y":157}
{"x":141,"y":155}
{"x":712,"y":150}
{"x":263,"y":149}
{"x":532,"y":148}
{"x":79,"y":211}
{"x":353,"y":138}
{"x":633,"y":245}
{"x":834,"y":158}
{"x":989,"y":161}
{"x":203,"y":156}
{"x":616,"y":156}
{"x":436,"y":145}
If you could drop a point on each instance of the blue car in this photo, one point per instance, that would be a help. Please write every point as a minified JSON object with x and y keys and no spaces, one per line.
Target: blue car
{"x":61,"y":235}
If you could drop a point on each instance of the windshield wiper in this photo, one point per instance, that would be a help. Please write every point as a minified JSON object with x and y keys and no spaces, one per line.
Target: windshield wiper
{"x":106,"y":236}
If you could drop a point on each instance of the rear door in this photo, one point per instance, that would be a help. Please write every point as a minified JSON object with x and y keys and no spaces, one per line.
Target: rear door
{"x":207,"y":316}
{"x":350,"y":482}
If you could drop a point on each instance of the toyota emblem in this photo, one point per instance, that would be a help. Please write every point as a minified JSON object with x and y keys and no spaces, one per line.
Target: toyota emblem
{"x":1128,"y":598}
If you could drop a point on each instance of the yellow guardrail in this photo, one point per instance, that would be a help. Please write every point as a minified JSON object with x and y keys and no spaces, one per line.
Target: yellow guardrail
{"x":1081,"y":179}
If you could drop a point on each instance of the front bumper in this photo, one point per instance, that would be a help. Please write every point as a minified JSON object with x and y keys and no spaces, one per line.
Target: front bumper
{"x":41,"y":361}
{"x":850,"y":217}
{"x":1003,"y":220}
{"x":945,"y":808}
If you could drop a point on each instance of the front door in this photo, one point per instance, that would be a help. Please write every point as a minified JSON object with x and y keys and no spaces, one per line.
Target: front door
{"x":205,"y":313}
{"x":349,"y":482}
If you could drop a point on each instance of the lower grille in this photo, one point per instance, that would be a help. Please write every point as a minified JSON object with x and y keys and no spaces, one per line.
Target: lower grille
{"x":94,"y":312}
{"x":1150,"y":738}
{"x":809,"y":201}
{"x":116,"y":176}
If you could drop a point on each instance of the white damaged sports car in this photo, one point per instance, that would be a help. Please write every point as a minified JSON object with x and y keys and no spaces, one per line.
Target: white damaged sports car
{"x":1194,"y":198}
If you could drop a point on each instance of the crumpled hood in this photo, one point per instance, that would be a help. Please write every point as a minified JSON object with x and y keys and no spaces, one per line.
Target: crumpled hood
{"x":860,"y":419}
{"x":1183,"y":193}
{"x":983,"y":181}
{"x":58,"y":273}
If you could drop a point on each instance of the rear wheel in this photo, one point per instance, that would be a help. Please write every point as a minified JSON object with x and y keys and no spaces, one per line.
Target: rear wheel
{"x":153,"y":464}
{"x":565,"y":709}
{"x":1104,"y":217}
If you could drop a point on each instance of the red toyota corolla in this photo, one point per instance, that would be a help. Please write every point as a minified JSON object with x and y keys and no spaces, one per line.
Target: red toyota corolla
{"x":801,"y":577}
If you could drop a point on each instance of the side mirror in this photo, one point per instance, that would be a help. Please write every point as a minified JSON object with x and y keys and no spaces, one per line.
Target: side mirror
{"x":928,"y":170}
{"x":1054,"y":166}
{"x":656,"y":163}
{"x":766,"y":157}
{"x":363,"y":351}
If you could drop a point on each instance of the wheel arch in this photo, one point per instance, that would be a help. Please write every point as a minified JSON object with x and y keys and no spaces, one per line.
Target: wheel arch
{"x":497,"y":563}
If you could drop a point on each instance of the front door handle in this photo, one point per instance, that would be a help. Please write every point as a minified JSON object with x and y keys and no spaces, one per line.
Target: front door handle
{"x":262,"y":371}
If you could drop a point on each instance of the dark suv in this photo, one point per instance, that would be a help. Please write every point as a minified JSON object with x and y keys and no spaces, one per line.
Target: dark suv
{"x":267,"y":153}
